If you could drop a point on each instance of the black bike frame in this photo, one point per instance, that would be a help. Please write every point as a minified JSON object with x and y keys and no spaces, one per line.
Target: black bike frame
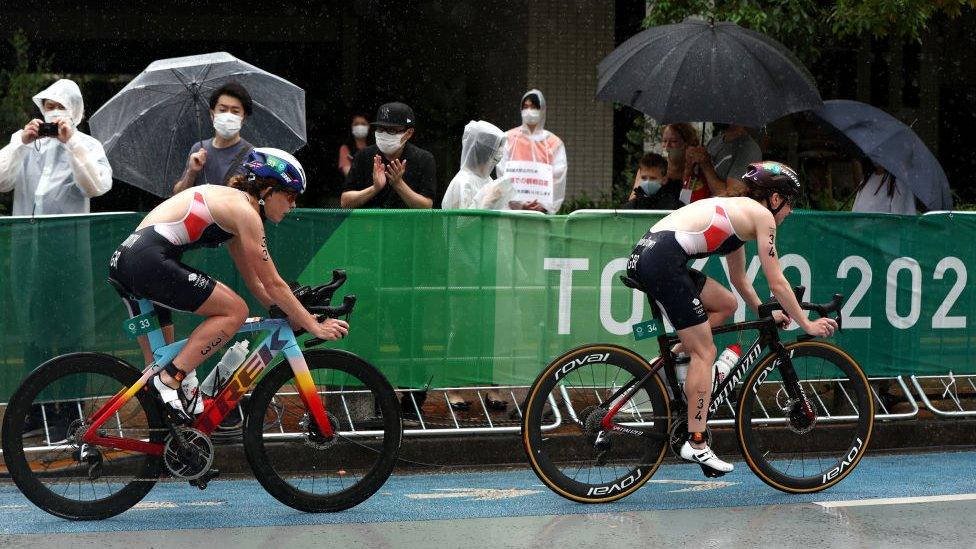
{"x":768,"y":338}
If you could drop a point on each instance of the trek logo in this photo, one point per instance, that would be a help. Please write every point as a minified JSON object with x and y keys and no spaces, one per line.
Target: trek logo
{"x":615,"y":487}
{"x":846,"y":462}
{"x":577,"y":362}
{"x":238,"y":384}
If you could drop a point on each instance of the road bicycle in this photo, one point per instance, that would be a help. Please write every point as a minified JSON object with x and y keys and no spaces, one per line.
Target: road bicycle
{"x":599,"y":419}
{"x":322,"y":429}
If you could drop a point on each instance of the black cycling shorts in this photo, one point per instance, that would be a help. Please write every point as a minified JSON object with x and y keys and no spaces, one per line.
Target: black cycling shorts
{"x":149,"y":266}
{"x":661,"y":266}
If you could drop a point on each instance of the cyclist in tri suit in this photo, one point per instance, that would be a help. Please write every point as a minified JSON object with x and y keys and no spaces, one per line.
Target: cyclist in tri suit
{"x":147,"y":264}
{"x":694,"y":303}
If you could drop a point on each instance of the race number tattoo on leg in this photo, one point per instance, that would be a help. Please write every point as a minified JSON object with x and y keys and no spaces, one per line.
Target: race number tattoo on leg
{"x":215,"y":344}
{"x":700,"y":405}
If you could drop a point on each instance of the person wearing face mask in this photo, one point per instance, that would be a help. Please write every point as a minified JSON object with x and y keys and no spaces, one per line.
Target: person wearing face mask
{"x":359,"y":133}
{"x":216,"y":160}
{"x":648,"y":182}
{"x":535,"y":160}
{"x":482,"y":146}
{"x":55,"y":174}
{"x":52,"y":172}
{"x":392,"y":173}
{"x":675,"y":141}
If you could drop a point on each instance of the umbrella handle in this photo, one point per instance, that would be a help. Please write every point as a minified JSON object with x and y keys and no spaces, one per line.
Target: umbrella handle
{"x":195,"y":90}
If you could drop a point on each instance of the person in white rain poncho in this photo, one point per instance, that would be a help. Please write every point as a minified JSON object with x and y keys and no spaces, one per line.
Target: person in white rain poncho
{"x":482,"y":145}
{"x":534,"y":160}
{"x":55,"y":174}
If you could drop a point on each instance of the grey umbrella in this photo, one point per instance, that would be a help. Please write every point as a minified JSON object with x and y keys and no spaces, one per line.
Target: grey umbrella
{"x":706,"y":71}
{"x":147,"y":129}
{"x":893,"y":145}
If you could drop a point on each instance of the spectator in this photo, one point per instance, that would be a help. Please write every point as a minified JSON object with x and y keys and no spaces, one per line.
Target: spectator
{"x":675,"y":140}
{"x":648,"y":181}
{"x":882,"y":192}
{"x":360,"y":131}
{"x":482,"y":146}
{"x":538,"y":156}
{"x":392,"y":173}
{"x":221,"y":157}
{"x":725,"y":159}
{"x":55,"y":174}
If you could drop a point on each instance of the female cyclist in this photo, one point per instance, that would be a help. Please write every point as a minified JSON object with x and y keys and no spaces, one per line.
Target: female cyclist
{"x":694,"y":303}
{"x":148,"y":265}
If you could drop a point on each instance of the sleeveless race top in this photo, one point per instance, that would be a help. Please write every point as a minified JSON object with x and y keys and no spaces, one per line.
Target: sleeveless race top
{"x":197,"y":228}
{"x":717,"y":238}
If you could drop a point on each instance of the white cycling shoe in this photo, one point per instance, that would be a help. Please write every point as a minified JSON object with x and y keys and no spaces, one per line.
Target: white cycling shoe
{"x":710,"y":464}
{"x":171,"y":398}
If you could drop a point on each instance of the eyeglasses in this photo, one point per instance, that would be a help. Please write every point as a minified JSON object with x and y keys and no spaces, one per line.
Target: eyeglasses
{"x":391,"y":131}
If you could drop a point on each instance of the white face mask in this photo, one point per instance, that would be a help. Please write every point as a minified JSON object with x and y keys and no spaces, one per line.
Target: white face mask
{"x":531,"y":116}
{"x":227,"y":124}
{"x":650,"y":186}
{"x":389,"y":143}
{"x":360,"y":131}
{"x":55,"y":115}
{"x":675,"y":154}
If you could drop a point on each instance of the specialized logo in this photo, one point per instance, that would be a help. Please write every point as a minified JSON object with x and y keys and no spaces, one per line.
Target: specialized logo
{"x":846,"y":462}
{"x":615,"y":487}
{"x":577,"y":362}
{"x":733,"y":377}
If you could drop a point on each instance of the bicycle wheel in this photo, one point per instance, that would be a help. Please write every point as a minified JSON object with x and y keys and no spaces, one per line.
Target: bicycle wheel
{"x":787,"y":449}
{"x":298,"y":465}
{"x":52,"y":467}
{"x":561,"y":417}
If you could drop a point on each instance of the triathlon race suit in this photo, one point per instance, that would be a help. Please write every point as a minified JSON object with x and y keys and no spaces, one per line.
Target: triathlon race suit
{"x":659,"y":263}
{"x":148,"y":265}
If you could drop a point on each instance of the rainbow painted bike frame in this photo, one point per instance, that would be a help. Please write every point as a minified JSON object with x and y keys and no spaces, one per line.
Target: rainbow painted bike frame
{"x":280,"y":340}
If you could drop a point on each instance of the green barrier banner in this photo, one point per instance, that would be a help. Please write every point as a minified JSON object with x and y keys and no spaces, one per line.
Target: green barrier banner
{"x":490,"y":297}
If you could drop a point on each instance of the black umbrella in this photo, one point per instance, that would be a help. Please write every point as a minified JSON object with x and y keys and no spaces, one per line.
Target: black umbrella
{"x":704,"y":71}
{"x":893,"y":145}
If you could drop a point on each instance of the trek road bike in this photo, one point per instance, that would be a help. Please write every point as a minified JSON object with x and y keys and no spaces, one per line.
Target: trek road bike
{"x":322,"y":429}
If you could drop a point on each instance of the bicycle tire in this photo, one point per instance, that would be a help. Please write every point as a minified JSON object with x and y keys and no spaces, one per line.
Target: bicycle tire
{"x":280,"y":466}
{"x":551,"y":447}
{"x":34,"y":484}
{"x":804,"y":462}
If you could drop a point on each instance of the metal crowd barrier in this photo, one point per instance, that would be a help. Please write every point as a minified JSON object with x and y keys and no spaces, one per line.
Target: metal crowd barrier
{"x":957,"y":392}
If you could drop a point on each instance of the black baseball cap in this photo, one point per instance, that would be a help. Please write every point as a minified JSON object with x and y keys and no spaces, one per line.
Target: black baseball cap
{"x":394,"y":114}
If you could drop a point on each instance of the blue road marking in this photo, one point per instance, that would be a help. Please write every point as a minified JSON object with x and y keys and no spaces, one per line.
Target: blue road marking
{"x":238,"y":503}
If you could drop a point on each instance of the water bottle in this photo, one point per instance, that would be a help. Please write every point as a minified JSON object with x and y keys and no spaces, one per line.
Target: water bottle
{"x":725,"y":362}
{"x":225,"y":368}
{"x":681,"y":367}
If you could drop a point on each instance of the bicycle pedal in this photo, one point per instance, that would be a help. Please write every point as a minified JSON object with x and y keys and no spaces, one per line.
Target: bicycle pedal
{"x":204,"y":479}
{"x":711,"y":473}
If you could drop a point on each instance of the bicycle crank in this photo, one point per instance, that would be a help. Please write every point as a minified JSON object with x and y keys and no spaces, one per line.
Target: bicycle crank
{"x":679,"y":434}
{"x":188,"y":454}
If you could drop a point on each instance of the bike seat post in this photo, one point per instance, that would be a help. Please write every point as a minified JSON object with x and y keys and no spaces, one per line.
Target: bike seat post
{"x":156,"y":339}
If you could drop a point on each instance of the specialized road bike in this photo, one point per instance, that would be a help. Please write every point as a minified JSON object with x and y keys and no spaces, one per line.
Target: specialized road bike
{"x":322,"y":429}
{"x":599,"y":419}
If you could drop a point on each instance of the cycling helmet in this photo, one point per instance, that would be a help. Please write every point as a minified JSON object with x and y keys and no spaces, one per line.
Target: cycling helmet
{"x":768,"y":177}
{"x":279,"y":165}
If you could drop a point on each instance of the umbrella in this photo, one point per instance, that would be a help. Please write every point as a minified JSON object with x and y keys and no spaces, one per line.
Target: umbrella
{"x":705,"y":71}
{"x":147,"y":129}
{"x":893,"y":145}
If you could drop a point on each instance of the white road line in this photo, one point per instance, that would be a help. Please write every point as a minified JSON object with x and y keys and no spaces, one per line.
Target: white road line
{"x":894,"y":501}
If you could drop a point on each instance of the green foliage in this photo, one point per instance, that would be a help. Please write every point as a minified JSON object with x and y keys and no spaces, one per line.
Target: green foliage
{"x":585,"y":202}
{"x":899,"y":18}
{"x":634,"y":150}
